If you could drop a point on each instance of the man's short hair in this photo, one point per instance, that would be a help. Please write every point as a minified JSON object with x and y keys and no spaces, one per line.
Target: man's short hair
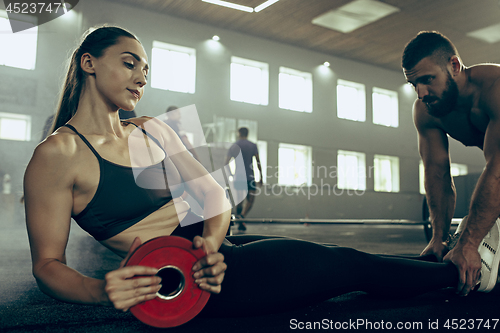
{"x":428,"y":43}
{"x":243,"y":132}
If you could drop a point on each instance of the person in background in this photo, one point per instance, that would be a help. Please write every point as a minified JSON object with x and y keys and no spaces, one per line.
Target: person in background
{"x":173,"y":119}
{"x":249,"y":151}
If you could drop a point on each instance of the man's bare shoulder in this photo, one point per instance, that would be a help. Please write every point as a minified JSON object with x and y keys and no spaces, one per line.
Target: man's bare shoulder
{"x":422,"y":119}
{"x":484,"y":75}
{"x":486,"y":78}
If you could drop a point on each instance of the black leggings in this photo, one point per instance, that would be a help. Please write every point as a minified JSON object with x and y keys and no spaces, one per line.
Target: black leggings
{"x":268,"y":274}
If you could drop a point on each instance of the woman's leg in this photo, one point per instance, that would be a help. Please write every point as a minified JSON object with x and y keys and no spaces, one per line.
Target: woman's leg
{"x":245,"y":239}
{"x":281,"y":274}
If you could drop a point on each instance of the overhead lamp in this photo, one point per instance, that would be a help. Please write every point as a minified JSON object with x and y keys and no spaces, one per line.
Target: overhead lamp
{"x":216,"y":38}
{"x":247,"y":9}
{"x":326,"y":64}
{"x":264,"y":5}
{"x":230,"y":5}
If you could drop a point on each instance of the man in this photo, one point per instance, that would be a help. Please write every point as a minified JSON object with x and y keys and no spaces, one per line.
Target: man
{"x":248,"y":151}
{"x":173,"y":119}
{"x":464,"y":103}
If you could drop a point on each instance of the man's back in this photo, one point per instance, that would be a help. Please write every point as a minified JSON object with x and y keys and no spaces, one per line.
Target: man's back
{"x":248,"y":151}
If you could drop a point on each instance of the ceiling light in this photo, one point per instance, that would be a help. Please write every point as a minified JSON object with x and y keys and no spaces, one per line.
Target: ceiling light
{"x":216,"y":38}
{"x":247,"y":9}
{"x":326,"y":64}
{"x":354,"y":15}
{"x":230,"y":5}
{"x":489,"y":34}
{"x":265,"y":5}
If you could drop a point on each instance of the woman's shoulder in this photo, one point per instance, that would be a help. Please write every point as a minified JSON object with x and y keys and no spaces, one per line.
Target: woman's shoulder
{"x":61,"y":145}
{"x":152,"y":124}
{"x":138,"y":121}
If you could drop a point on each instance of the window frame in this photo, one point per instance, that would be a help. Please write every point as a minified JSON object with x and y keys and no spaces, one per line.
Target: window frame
{"x":361,"y":170}
{"x":263,"y":85}
{"x":395,"y":173}
{"x":361,"y":88}
{"x":307,"y":166}
{"x":26,"y":19}
{"x":16,"y":116}
{"x":394,"y":104}
{"x":307,"y":105}
{"x":156,"y":81}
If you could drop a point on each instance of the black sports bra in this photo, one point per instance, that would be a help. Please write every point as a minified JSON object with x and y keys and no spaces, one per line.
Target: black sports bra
{"x":122,"y":199}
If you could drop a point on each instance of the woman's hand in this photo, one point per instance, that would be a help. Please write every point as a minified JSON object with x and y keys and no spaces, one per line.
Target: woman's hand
{"x":209,"y":271}
{"x":124,"y":291}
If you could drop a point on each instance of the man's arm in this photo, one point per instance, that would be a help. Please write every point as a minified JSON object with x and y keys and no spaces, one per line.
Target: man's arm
{"x":232,"y":152}
{"x":257,"y":159}
{"x":485,"y":202}
{"x":439,"y":187}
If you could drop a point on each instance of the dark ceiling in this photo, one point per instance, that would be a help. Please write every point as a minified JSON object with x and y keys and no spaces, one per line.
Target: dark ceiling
{"x":379,"y":43}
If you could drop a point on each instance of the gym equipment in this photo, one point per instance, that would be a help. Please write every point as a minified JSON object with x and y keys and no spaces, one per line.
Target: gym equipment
{"x":180,"y":299}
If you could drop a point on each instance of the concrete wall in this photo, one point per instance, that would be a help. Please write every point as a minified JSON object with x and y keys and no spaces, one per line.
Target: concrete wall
{"x":321,"y":129}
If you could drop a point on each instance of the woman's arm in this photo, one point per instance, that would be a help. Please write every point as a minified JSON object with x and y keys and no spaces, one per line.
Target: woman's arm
{"x":48,"y":201}
{"x":48,"y":187}
{"x":209,"y":271}
{"x":198,"y":182}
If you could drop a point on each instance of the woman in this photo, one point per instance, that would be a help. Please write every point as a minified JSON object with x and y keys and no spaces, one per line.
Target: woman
{"x":84,"y":170}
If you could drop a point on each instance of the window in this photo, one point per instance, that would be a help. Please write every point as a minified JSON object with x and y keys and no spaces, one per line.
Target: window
{"x":249,"y":81}
{"x":15,"y":126}
{"x":385,"y":107}
{"x":19,"y":49}
{"x":421,"y":177}
{"x":458,"y":169}
{"x":295,"y":90}
{"x":386,"y":173}
{"x":294,"y":165}
{"x":173,"y":67}
{"x":351,"y":100}
{"x":351,"y":170}
{"x":455,"y":169}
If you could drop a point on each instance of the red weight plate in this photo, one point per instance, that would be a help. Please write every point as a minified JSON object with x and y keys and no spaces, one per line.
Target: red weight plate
{"x":170,"y":251}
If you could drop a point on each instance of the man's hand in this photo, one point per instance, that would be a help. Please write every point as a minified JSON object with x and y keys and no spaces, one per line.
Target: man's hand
{"x":468,"y":262}
{"x":437,"y":248}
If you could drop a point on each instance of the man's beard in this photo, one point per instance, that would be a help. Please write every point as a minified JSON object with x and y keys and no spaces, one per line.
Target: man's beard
{"x":446,"y":103}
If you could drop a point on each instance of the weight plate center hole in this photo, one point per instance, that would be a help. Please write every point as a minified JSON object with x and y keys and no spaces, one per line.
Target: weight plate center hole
{"x":172,"y":282}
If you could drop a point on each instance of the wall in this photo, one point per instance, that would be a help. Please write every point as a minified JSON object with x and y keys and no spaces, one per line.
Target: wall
{"x":320,"y":129}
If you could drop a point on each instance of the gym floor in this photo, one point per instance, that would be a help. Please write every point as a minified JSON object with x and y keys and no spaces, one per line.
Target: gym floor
{"x":24,"y":308}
